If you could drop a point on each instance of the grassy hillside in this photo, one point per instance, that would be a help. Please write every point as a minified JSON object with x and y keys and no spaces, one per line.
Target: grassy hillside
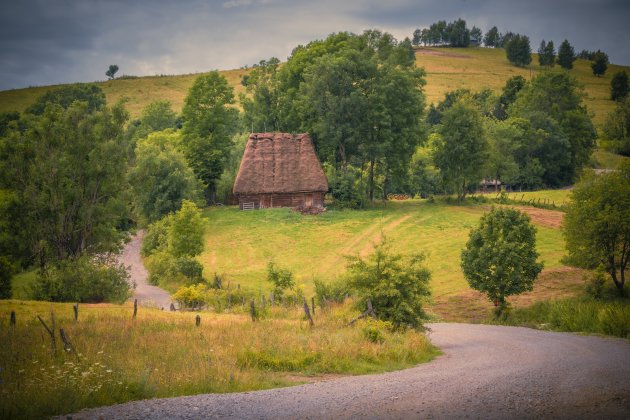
{"x":240,"y":244}
{"x":447,"y":69}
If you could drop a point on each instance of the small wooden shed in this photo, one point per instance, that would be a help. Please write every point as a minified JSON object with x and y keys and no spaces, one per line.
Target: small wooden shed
{"x":280,"y":170}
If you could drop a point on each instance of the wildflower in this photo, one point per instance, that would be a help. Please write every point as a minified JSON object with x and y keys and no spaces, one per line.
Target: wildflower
{"x":21,"y":370}
{"x":108,"y":371}
{"x":100,"y":352}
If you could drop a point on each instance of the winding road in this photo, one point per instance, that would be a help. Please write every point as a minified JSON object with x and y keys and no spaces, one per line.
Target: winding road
{"x":485,"y":372}
{"x":147,"y":294}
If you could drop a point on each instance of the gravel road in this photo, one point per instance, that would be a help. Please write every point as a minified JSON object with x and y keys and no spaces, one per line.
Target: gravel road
{"x":147,"y":294}
{"x":485,"y":372}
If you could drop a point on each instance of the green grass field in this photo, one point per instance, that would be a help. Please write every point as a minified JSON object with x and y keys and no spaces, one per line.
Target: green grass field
{"x":240,"y":244}
{"x":447,"y":69}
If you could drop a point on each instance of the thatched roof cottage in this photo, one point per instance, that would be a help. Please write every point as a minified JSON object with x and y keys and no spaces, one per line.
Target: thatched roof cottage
{"x":280,"y":170}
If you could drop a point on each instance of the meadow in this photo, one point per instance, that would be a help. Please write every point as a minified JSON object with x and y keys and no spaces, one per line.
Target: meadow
{"x":115,"y":358}
{"x":447,"y":69}
{"x":240,"y":244}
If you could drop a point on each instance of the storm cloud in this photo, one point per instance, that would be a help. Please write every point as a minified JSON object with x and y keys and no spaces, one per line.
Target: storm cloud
{"x":59,"y":41}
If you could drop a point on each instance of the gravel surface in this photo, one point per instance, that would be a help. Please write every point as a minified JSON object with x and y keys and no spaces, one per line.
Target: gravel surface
{"x":485,"y":372}
{"x":147,"y":294}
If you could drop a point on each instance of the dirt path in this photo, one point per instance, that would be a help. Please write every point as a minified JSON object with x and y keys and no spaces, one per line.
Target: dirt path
{"x":147,"y":294}
{"x":485,"y":372}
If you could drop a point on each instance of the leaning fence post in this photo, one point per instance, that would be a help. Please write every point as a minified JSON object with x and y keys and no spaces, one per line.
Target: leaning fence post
{"x":12,"y":319}
{"x":67,"y":346}
{"x":308,"y":313}
{"x":75,"y":308}
{"x":198,"y":320}
{"x":135,"y":308}
{"x":51,"y":332}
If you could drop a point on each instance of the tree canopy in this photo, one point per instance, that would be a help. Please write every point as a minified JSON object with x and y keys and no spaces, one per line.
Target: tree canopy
{"x":209,"y":123}
{"x":69,"y":94}
{"x":597,"y":223}
{"x":619,"y":86}
{"x":600,"y":63}
{"x":518,"y":50}
{"x":566,"y":55}
{"x":500,"y":257}
{"x":546,"y":54}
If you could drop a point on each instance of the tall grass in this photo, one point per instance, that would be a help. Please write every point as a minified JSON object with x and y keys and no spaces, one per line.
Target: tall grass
{"x":576,"y":315}
{"x":163,"y":354}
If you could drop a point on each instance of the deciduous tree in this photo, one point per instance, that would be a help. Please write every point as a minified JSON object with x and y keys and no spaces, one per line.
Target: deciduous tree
{"x":619,"y":86}
{"x":111,"y":71}
{"x":597,"y":223}
{"x":209,"y":123}
{"x":600,"y":63}
{"x":500,"y":257}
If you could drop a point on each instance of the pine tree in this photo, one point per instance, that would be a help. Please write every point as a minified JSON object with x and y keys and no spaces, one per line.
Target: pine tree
{"x":546,"y":54}
{"x":600,"y":63}
{"x":566,"y":55}
{"x":619,"y":86}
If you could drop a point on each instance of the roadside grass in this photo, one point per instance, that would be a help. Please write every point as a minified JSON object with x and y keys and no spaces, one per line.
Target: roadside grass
{"x":163,"y":354}
{"x":240,"y":244}
{"x":577,"y":314}
{"x":607,"y":160}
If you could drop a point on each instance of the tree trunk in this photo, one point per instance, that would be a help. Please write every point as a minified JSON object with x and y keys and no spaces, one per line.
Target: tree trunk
{"x":371,"y":181}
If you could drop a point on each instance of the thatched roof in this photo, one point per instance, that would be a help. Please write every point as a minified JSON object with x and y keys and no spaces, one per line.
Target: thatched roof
{"x":279,"y":163}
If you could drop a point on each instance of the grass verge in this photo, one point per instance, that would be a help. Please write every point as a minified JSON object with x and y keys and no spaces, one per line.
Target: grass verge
{"x":163,"y":354}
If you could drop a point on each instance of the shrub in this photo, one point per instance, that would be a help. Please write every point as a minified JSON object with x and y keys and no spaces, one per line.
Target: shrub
{"x":614,"y":319}
{"x":194,"y":296}
{"x":84,"y":279}
{"x":595,"y":284}
{"x":375,"y":330}
{"x":189,"y":268}
{"x":6,"y":272}
{"x":280,"y":278}
{"x":335,"y":291}
{"x":156,"y":238}
{"x":161,"y":267}
{"x":395,"y":284}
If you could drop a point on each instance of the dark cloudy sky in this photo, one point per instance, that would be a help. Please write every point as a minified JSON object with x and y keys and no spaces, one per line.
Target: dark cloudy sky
{"x":58,"y":41}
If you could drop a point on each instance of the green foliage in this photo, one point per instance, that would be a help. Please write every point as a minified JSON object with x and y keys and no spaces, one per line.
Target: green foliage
{"x":281,"y":279}
{"x":492,"y":37}
{"x":619,"y":86}
{"x":452,"y":34}
{"x":597,"y":223}
{"x":333,"y":291}
{"x":461,"y":147}
{"x":7,"y":270}
{"x":595,"y":283}
{"x":161,"y":268}
{"x":375,"y":330}
{"x":111,"y":71}
{"x":500,"y":257}
{"x":65,"y":170}
{"x":617,"y":128}
{"x":395,"y":284}
{"x":209,"y":123}
{"x":566,"y":55}
{"x":161,"y":179}
{"x":546,"y":54}
{"x":563,"y":136}
{"x":189,"y":268}
{"x":67,"y":95}
{"x":84,"y":279}
{"x":346,"y":186}
{"x":600,"y":63}
{"x":193,"y":296}
{"x":518,"y":50}
{"x":156,"y":237}
{"x":359,"y":96}
{"x":157,"y":116}
{"x":512,"y":87}
{"x":185,"y":235}
{"x":232,"y":164}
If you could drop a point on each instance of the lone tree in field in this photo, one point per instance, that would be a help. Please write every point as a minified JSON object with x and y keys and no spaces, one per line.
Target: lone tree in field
{"x":597,"y":223}
{"x":546,"y":54}
{"x":566,"y":55}
{"x":113,"y":68}
{"x":395,"y":284}
{"x":500,"y":258}
{"x":600,"y":63}
{"x":619,"y":86}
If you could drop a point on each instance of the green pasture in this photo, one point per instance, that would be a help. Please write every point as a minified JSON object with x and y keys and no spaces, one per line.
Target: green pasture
{"x":240,"y":244}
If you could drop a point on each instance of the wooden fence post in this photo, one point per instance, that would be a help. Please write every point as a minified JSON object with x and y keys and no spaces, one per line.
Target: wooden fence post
{"x":51,"y":332}
{"x":198,"y":320}
{"x":75,"y":308}
{"x":308,"y":313}
{"x":313,"y":304}
{"x":12,"y":319}
{"x":172,"y":308}
{"x":135,"y":308}
{"x":252,"y":310}
{"x":67,"y":346}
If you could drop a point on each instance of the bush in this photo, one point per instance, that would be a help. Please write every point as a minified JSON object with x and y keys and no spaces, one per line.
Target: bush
{"x":189,"y":268}
{"x":84,"y":279}
{"x":395,"y":284}
{"x":335,"y":291}
{"x":156,"y":238}
{"x":6,"y":272}
{"x":161,"y":267}
{"x":374,"y":330}
{"x":595,"y":284}
{"x":282,"y":279}
{"x":193,"y":297}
